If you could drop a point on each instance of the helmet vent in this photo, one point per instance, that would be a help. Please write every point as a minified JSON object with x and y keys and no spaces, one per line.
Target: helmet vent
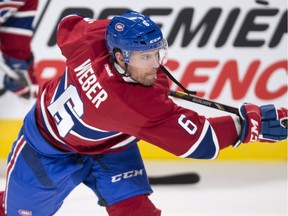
{"x":150,"y":32}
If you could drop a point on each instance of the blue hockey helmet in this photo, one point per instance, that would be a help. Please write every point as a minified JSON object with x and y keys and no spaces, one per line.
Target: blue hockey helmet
{"x":133,"y":31}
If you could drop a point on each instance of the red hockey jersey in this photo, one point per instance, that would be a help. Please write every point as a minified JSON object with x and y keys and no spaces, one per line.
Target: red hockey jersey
{"x":91,"y":109}
{"x":16,"y":30}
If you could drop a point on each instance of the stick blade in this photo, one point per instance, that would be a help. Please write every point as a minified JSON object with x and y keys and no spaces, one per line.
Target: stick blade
{"x":183,"y":178}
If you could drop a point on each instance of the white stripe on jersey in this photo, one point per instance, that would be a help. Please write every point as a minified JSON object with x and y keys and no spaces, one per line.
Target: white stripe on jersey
{"x":199,"y":141}
{"x":216,"y":143}
{"x":123,"y":143}
{"x":16,"y":31}
{"x":8,"y":8}
{"x":10,"y":166}
{"x":21,"y":14}
{"x":46,"y":119}
{"x":11,"y":2}
{"x":5,"y":15}
{"x":89,"y":139}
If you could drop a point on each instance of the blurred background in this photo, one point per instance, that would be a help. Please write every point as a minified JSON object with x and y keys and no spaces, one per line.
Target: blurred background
{"x":229,"y":51}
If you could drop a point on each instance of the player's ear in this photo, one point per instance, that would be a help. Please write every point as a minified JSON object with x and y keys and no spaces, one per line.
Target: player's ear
{"x":120,"y":59}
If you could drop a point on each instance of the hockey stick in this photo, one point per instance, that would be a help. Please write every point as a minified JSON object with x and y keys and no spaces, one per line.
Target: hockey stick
{"x":173,"y":179}
{"x":189,"y":96}
{"x":215,"y":105}
{"x":204,"y":102}
{"x":8,"y":71}
{"x":41,"y":16}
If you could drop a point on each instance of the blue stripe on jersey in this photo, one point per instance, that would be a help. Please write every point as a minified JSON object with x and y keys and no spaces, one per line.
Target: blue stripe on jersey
{"x":36,"y":140}
{"x":88,"y":132}
{"x":206,"y":149}
{"x":61,"y":86}
{"x":21,"y":22}
{"x":4,"y":11}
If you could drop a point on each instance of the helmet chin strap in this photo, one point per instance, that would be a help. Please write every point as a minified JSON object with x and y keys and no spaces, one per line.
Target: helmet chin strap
{"x":126,"y":74}
{"x":121,"y":71}
{"x":176,"y":81}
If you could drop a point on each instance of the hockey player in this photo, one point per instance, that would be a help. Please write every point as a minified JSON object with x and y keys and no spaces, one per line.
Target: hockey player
{"x":16,"y":57}
{"x":85,"y":125}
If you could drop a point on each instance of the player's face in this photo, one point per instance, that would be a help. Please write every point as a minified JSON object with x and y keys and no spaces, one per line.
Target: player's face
{"x":143,"y":66}
{"x":144,"y":76}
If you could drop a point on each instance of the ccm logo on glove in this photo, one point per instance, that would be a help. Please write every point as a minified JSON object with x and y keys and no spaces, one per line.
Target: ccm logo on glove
{"x":254,"y":130}
{"x":251,"y":124}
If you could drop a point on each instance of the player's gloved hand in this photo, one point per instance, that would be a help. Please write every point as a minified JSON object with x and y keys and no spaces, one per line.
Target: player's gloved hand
{"x":251,"y":122}
{"x":264,"y":124}
{"x":274,"y":123}
{"x":23,"y":82}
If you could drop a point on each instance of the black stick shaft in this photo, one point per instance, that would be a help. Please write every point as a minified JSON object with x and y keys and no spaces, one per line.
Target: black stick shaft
{"x":41,"y":16}
{"x":204,"y":102}
{"x":178,"y":179}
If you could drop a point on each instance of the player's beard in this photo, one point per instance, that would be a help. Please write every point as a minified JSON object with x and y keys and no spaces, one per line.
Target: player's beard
{"x":150,"y":79}
{"x":140,"y":75}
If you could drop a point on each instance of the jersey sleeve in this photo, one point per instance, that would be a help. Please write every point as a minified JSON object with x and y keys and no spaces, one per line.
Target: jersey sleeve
{"x":187,"y":134}
{"x":9,"y":8}
{"x":81,"y":35}
{"x":154,"y":117}
{"x":16,"y":30}
{"x":70,"y":30}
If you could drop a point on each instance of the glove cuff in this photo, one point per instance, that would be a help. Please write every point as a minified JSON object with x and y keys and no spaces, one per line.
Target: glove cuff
{"x":251,"y":124}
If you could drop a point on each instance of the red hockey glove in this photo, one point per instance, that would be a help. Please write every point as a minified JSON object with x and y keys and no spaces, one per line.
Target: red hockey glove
{"x":19,"y":76}
{"x":251,"y":122}
{"x":264,"y":124}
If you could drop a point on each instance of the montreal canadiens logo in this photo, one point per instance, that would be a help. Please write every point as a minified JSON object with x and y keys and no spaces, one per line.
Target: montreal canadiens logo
{"x":119,"y":27}
{"x":25,"y":212}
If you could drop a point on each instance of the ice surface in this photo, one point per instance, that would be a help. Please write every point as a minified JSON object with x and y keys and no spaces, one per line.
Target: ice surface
{"x":226,"y":188}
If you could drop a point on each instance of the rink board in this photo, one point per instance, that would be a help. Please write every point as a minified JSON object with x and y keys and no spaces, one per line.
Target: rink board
{"x":256,"y":151}
{"x":228,"y":51}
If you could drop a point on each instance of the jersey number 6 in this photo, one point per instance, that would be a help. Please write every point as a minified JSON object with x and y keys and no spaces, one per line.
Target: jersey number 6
{"x":69,"y":99}
{"x":188,"y":125}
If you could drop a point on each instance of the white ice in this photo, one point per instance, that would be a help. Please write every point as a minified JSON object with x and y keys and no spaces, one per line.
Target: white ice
{"x":226,"y":188}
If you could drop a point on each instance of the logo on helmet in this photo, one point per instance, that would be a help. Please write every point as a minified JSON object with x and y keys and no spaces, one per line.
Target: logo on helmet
{"x":155,"y":40}
{"x":119,"y":26}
